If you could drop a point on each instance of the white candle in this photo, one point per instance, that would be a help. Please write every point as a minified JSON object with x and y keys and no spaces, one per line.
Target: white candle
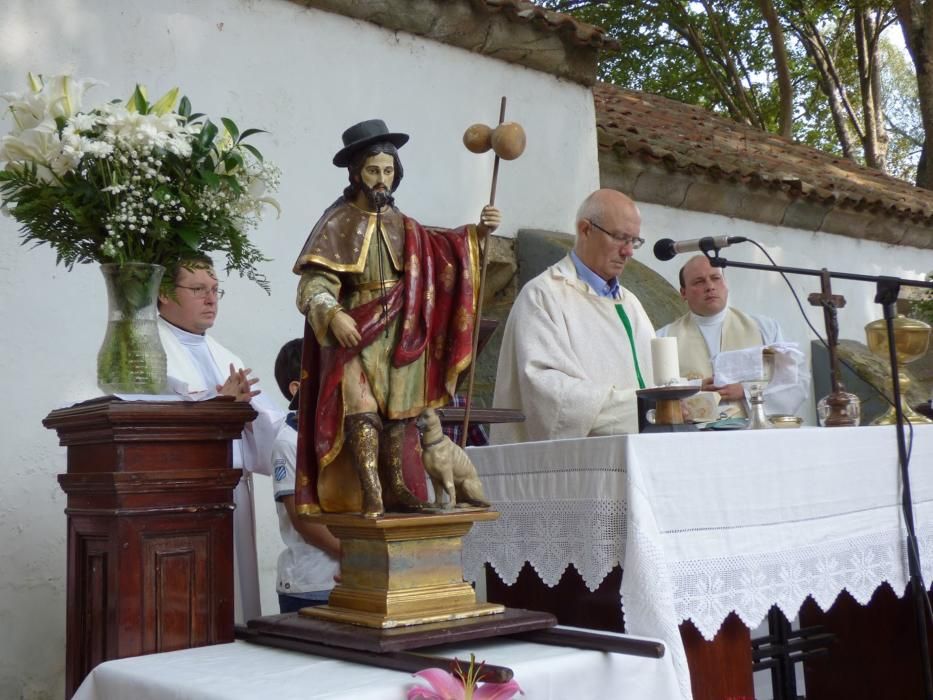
{"x":664,"y":360}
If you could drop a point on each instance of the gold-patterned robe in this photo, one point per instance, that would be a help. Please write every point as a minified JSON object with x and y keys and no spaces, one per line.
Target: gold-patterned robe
{"x":346,"y":264}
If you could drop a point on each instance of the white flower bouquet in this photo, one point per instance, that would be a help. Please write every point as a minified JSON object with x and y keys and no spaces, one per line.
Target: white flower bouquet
{"x":131,"y":181}
{"x":135,"y":186}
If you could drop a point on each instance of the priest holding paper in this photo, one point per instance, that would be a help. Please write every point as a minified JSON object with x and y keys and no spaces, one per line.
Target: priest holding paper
{"x":577,"y":345}
{"x":712,"y":326}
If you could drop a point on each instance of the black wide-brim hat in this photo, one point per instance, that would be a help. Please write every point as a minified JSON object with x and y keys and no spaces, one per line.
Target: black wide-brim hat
{"x":363,"y":134}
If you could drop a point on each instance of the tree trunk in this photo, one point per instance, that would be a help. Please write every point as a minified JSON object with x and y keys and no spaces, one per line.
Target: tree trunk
{"x":694,"y":39}
{"x":785,"y":88}
{"x":875,"y":139}
{"x":843,"y":117}
{"x":727,"y":61}
{"x":916,"y":18}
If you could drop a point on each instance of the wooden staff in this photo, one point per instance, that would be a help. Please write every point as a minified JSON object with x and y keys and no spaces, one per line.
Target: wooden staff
{"x":479,"y":303}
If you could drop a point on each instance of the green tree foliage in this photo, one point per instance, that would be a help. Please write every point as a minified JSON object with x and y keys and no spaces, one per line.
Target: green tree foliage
{"x":901,"y":112}
{"x":818,"y":72}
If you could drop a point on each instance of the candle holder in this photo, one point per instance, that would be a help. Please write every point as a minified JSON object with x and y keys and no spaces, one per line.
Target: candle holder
{"x":668,"y":415}
{"x":839,"y":409}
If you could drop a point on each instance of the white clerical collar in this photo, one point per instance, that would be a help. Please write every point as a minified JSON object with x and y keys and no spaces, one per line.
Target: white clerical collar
{"x":185,"y":337}
{"x":714,"y":320}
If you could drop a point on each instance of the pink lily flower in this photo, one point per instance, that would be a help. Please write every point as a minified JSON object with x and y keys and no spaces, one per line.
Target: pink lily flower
{"x":453,"y":686}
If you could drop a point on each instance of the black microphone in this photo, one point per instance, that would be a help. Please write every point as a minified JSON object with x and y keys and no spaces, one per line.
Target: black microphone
{"x":665,"y":249}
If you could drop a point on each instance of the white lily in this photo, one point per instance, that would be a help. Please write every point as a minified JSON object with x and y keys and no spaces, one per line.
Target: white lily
{"x":274,"y":203}
{"x":39,"y":144}
{"x":27,"y":110}
{"x":65,"y":93}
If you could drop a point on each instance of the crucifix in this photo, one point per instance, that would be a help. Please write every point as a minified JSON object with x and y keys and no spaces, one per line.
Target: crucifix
{"x":838,"y":400}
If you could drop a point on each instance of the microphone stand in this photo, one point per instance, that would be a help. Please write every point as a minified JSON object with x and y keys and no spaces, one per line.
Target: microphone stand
{"x":886,"y":295}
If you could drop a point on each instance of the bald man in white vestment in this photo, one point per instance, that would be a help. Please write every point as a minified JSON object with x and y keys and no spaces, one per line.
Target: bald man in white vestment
{"x":201,"y":367}
{"x":713,"y":326}
{"x":577,"y":345}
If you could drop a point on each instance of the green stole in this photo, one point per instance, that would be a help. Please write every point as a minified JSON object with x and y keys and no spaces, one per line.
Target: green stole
{"x":631,"y":339}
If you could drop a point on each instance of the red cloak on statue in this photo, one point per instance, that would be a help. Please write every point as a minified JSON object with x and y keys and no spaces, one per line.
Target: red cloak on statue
{"x":437,"y":323}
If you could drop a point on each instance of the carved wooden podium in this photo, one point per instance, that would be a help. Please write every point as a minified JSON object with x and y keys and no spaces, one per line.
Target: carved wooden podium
{"x":150,"y":527}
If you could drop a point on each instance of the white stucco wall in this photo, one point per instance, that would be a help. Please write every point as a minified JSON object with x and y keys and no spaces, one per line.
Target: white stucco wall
{"x":766,"y":292}
{"x":305,"y":76}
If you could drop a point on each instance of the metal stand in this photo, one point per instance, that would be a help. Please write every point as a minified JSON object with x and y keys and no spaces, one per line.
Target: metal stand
{"x":887,"y":291}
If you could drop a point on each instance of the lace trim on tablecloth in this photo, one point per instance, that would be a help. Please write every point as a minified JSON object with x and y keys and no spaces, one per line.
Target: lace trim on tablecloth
{"x":707,"y":591}
{"x":589,"y":534}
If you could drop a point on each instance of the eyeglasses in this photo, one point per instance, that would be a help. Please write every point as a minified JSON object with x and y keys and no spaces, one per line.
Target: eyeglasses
{"x":202,"y":292}
{"x":633,"y":241}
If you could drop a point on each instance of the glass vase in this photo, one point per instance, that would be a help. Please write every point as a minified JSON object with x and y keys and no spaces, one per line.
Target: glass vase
{"x":131,"y":359}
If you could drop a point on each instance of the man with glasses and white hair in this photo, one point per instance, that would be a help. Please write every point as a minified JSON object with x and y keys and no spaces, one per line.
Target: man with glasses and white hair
{"x":200,"y":367}
{"x":577,"y":345}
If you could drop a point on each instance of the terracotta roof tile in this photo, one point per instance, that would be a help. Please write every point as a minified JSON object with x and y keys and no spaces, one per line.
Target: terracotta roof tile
{"x":579,"y":32}
{"x":689,"y":138}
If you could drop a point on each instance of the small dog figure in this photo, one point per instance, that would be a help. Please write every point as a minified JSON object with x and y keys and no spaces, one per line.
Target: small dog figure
{"x":451,"y":471}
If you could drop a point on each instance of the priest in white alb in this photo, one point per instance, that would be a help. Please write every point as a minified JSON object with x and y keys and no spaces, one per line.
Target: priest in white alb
{"x":200,"y":368}
{"x":712,"y":326}
{"x":577,"y":345}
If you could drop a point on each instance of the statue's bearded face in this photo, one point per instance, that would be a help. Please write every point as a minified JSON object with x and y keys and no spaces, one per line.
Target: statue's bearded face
{"x":378,"y":174}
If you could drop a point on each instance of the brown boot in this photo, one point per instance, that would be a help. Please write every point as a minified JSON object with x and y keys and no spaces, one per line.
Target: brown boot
{"x":396,"y":493}
{"x":362,"y":438}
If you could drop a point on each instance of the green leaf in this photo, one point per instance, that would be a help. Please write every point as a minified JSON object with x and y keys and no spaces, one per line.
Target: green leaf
{"x":233,"y":184}
{"x":137,"y":102}
{"x":231,"y":128}
{"x":184,"y":108}
{"x":253,"y":150}
{"x":250,"y":132}
{"x":232,"y":161}
{"x":208,"y":132}
{"x":210,"y":177}
{"x":191,"y":237}
{"x":165,"y":103}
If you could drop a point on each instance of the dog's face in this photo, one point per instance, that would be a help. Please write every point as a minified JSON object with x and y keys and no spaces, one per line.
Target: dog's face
{"x":427,"y":420}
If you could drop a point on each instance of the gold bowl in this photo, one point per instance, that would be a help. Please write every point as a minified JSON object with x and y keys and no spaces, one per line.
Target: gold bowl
{"x":780,"y":421}
{"x":911,"y":341}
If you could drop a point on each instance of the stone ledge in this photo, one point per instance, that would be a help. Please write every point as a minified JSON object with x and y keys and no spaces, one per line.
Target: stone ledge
{"x":477,"y":28}
{"x":654,"y":182}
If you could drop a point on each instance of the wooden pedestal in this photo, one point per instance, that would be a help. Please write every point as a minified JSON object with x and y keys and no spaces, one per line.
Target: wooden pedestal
{"x":150,"y":527}
{"x":401,"y":570}
{"x":718,"y":669}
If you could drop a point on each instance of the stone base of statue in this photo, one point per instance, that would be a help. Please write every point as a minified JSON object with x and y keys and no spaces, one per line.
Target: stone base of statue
{"x":401,"y":569}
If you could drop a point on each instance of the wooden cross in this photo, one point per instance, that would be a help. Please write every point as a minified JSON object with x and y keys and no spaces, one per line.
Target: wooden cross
{"x":830,"y":302}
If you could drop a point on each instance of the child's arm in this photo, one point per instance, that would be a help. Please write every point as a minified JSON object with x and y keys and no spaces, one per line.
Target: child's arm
{"x":315,"y":535}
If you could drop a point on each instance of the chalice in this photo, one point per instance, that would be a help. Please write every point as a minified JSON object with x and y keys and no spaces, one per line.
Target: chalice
{"x":757,"y":420}
{"x":911,"y":341}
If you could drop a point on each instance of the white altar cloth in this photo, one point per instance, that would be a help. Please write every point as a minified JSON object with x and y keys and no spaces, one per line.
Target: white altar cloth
{"x":707,"y":523}
{"x":244,"y":671}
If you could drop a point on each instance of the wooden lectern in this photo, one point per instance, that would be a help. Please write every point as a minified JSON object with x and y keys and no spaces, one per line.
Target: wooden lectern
{"x":150,"y":526}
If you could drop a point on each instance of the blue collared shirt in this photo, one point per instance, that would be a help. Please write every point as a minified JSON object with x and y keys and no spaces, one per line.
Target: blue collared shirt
{"x":609,"y":290}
